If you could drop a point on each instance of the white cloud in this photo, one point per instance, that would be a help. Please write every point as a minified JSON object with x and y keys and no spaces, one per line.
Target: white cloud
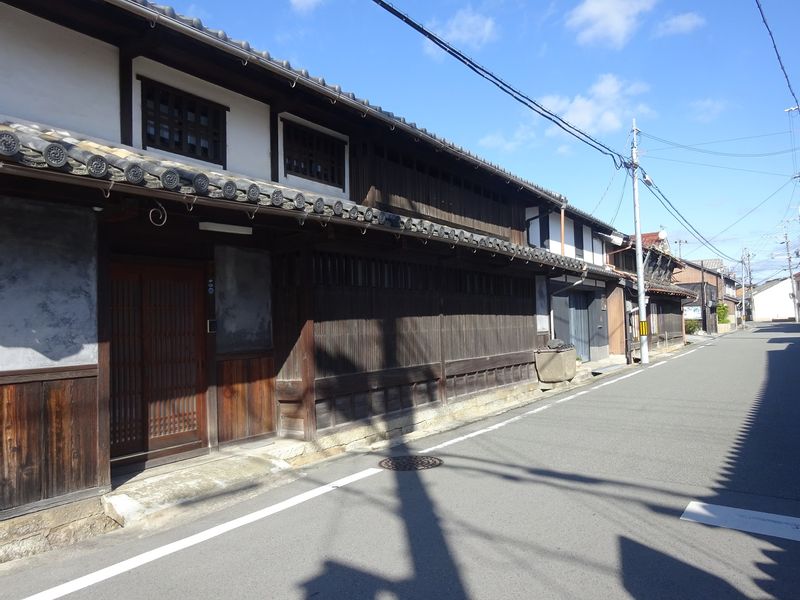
{"x":304,"y":6}
{"x":707,"y":109}
{"x":466,"y":29}
{"x":610,"y":22}
{"x":522,"y":136}
{"x":680,"y":24}
{"x":606,"y":107}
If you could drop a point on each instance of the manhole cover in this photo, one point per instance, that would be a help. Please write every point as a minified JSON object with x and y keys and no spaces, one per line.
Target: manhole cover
{"x":410,"y":463}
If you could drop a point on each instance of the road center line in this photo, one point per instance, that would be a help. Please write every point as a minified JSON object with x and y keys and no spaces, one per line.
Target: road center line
{"x":751,"y":521}
{"x":198,"y":538}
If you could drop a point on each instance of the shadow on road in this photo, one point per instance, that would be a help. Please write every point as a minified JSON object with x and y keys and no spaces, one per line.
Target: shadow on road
{"x":765,"y":460}
{"x":435,"y":572}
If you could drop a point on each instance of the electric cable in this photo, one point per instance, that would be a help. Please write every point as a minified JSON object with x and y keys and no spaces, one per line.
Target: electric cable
{"x":714,"y":152}
{"x":777,"y":54}
{"x":737,"y":139}
{"x":699,"y":164}
{"x":621,"y":196}
{"x":752,"y":210}
{"x":619,"y":160}
{"x":665,"y":202}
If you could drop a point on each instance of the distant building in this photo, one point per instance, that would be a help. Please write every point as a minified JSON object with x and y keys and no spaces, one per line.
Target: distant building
{"x":772,"y":301}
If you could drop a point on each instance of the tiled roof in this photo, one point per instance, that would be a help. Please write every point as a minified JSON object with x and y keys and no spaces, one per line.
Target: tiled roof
{"x":650,"y":239}
{"x":194,"y":27}
{"x":28,"y":149}
{"x":656,"y":287}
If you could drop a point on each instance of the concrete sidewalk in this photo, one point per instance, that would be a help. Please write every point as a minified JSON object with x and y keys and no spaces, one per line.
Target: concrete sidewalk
{"x":229,"y":474}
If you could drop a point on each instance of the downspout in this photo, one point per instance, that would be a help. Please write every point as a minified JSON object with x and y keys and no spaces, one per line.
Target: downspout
{"x":562,"y":230}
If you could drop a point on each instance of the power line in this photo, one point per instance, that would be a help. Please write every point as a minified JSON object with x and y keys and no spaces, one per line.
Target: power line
{"x":619,"y":160}
{"x":699,"y":164}
{"x":715,"y":152}
{"x":665,"y":202}
{"x":777,"y":54}
{"x":603,"y":196}
{"x":621,"y":196}
{"x":752,"y":210}
{"x":737,"y":139}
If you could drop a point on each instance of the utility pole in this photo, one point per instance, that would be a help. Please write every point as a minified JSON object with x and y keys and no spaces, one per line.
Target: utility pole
{"x":644,"y":331}
{"x":680,"y":245}
{"x":791,"y":274}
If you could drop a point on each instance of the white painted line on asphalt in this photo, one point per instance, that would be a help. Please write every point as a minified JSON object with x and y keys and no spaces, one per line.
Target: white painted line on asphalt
{"x":658,"y":364}
{"x":751,"y":521}
{"x":198,"y":538}
{"x":497,"y":426}
{"x":686,"y":353}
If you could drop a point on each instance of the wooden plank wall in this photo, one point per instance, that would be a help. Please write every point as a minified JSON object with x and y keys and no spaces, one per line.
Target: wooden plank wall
{"x":408,"y":181}
{"x":245,"y":392}
{"x":393,"y":335}
{"x":49,"y":426}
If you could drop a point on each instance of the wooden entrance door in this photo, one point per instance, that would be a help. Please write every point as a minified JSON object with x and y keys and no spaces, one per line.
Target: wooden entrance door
{"x":158,"y":375}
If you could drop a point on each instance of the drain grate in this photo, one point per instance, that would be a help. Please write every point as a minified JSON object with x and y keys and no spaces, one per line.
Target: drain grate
{"x":410,"y":463}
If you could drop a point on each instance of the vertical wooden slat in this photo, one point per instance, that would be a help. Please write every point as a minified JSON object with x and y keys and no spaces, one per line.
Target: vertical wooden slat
{"x":22,"y":457}
{"x":70,"y":440}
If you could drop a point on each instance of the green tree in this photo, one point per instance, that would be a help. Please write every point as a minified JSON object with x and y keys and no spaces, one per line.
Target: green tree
{"x":722,"y":313}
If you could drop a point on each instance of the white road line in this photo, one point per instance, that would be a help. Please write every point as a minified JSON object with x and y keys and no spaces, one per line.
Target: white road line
{"x":198,"y":538}
{"x":751,"y":521}
{"x":530,"y":412}
{"x":658,"y":364}
{"x":687,"y":353}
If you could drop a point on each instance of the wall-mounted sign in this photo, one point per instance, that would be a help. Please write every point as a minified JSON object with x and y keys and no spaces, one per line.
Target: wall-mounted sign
{"x":692,"y":313}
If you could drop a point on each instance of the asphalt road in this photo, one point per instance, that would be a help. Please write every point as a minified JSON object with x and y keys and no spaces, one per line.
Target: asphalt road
{"x":582,"y":499}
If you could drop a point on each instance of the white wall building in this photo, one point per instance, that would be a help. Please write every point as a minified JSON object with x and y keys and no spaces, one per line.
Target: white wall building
{"x":773,"y":301}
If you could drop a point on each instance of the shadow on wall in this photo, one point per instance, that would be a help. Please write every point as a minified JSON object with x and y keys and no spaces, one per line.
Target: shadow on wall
{"x":48,"y":285}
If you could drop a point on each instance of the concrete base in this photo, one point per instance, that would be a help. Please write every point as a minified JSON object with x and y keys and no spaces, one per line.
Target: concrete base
{"x":555,"y":366}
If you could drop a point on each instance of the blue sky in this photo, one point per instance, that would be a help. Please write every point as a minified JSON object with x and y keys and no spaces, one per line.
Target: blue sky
{"x":689,"y":72}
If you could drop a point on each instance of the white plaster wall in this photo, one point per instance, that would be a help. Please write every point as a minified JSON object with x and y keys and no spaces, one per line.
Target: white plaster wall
{"x":588,"y":252}
{"x":599,"y":251}
{"x":247,"y":122}
{"x":773,"y":303}
{"x":569,"y":237}
{"x":56,"y":76}
{"x":534,"y":227}
{"x":555,"y":233}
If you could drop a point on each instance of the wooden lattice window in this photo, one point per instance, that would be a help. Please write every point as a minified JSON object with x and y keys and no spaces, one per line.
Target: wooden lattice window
{"x":313,"y":155}
{"x":181,"y":123}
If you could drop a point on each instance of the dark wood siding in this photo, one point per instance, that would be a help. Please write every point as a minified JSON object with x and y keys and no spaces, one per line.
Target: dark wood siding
{"x":49,"y":424}
{"x":245,"y":390}
{"x":414,"y":182}
{"x":393,"y":335}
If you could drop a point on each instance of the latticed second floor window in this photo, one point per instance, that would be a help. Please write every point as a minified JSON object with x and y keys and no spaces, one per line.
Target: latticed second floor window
{"x":314,"y":155}
{"x":178,"y":122}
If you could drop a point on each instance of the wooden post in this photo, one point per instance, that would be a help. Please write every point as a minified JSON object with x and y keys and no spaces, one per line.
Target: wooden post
{"x":212,"y":406}
{"x":103,"y":357}
{"x":308,"y":364}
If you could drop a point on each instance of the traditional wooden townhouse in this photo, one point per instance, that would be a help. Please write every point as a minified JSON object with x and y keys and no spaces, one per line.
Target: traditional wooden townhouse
{"x":664,"y":298}
{"x":200,"y":244}
{"x":706,"y":279}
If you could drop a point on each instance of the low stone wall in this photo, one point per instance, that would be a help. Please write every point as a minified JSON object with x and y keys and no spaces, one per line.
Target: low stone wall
{"x":52,"y":528}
